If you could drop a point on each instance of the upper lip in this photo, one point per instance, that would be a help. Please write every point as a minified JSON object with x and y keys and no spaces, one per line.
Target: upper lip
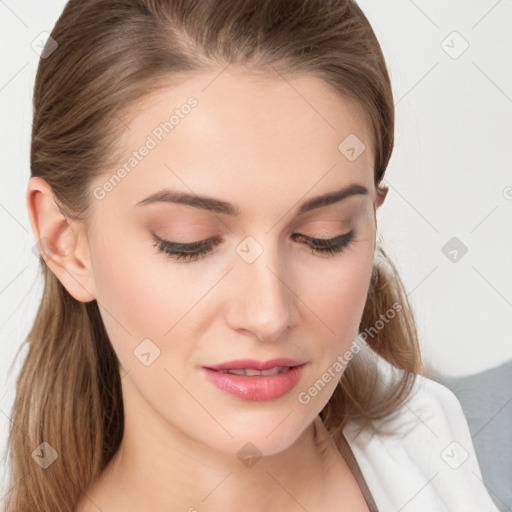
{"x":255,"y":364}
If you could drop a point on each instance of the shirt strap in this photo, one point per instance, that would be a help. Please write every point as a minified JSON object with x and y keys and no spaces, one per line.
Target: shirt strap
{"x":351,"y":461}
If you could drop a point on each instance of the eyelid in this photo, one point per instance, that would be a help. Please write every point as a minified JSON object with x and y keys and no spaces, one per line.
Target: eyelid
{"x":197,"y":244}
{"x":321,"y":241}
{"x":201,"y":249}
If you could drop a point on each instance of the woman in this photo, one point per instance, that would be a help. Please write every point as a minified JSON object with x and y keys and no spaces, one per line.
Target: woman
{"x":219,"y":327}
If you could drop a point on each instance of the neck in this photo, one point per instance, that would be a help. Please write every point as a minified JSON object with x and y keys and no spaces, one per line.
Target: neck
{"x":161,"y":468}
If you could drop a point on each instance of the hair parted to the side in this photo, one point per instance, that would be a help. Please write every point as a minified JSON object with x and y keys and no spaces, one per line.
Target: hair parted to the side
{"x":110,"y":54}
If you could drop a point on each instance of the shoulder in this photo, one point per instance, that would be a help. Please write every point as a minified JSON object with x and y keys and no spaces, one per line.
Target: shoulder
{"x":431,"y":409}
{"x":429,"y":404}
{"x":421,"y":457}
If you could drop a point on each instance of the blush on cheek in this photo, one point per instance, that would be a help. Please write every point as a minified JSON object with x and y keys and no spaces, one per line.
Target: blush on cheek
{"x":339,"y":303}
{"x":126,"y":301}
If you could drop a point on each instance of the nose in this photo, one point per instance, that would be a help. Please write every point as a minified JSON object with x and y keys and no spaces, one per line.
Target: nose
{"x":262,"y":301}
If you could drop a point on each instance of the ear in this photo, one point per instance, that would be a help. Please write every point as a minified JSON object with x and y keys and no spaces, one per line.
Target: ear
{"x":382,"y":192}
{"x":62,"y":242}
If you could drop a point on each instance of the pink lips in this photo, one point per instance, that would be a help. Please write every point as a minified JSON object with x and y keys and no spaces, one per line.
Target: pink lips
{"x":258,"y":387}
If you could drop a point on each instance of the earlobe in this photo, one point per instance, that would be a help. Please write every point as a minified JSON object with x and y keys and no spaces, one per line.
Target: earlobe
{"x":61,"y":241}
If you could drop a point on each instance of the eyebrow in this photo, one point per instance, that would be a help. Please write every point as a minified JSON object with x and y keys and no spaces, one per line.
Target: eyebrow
{"x":224,"y":207}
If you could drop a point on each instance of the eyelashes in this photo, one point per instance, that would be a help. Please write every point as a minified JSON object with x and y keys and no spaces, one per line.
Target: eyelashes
{"x":327,"y":246}
{"x":185,"y":252}
{"x":201,"y":249}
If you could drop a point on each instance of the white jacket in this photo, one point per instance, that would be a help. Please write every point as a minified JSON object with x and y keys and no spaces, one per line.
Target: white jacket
{"x":428,"y":462}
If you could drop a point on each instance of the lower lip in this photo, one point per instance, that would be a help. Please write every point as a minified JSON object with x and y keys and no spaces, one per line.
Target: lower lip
{"x":256,"y":388}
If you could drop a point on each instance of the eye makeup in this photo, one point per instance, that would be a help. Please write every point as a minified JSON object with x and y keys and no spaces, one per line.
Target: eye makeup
{"x":200,"y":249}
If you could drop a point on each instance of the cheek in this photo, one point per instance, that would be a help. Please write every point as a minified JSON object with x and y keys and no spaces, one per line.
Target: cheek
{"x":137,"y":298}
{"x":337,"y":305}
{"x":339,"y":300}
{"x":336,"y":310}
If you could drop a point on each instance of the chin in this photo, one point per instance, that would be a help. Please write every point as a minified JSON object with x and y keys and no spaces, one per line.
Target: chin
{"x":263,"y":434}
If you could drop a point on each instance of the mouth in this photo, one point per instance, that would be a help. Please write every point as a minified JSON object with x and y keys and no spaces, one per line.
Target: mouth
{"x":251,"y":372}
{"x":249,"y":383}
{"x":256,"y":365}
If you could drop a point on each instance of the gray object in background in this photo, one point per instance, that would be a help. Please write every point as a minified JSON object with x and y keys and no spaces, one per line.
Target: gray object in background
{"x":486,"y":400}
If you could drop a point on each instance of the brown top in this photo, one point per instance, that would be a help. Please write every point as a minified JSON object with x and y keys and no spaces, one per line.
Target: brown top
{"x":346,"y":452}
{"x":351,"y":461}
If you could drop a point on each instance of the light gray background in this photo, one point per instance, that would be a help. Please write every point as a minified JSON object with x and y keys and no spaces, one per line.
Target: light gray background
{"x":450,"y":176}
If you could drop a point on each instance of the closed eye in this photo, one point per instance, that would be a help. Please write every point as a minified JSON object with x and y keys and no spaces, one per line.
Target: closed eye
{"x":201,"y":249}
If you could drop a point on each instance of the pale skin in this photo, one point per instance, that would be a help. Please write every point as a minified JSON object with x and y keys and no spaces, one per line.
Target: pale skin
{"x":266,"y":147}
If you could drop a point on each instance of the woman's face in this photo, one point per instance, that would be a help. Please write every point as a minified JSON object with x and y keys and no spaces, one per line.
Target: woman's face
{"x":260,"y":292}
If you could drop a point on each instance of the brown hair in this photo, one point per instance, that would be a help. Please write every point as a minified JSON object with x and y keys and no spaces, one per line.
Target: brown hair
{"x":111,"y":53}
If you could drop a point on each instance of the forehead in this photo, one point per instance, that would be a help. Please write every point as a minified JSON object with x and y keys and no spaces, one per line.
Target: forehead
{"x":234,"y":131}
{"x":235,"y":101}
